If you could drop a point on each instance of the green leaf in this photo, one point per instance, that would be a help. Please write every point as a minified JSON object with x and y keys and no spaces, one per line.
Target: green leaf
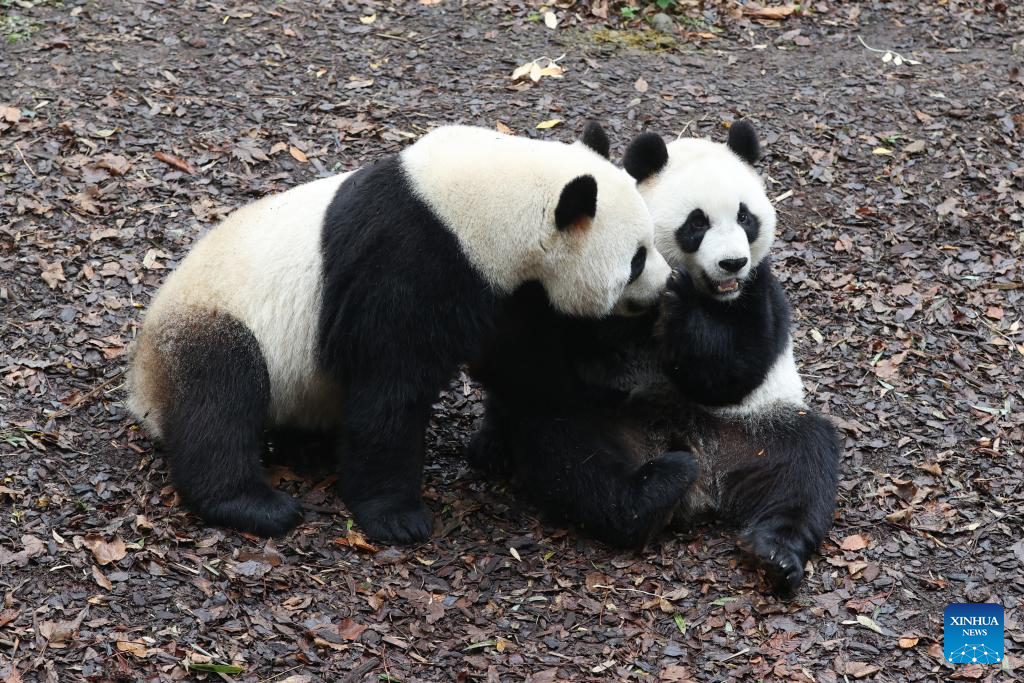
{"x":481,"y":644}
{"x":680,"y":623}
{"x":721,"y":601}
{"x":216,"y":668}
{"x":870,"y":623}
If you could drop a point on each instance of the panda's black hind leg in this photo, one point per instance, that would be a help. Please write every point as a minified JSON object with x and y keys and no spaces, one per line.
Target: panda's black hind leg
{"x":487,"y":450}
{"x":783,"y":499}
{"x":213,"y":428}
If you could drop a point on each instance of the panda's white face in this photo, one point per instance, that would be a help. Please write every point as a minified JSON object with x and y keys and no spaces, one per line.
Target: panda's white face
{"x":711,"y":215}
{"x":541,"y":210}
{"x":609,"y":265}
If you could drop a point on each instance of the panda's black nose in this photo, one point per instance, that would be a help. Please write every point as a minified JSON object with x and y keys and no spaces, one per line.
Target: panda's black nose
{"x":732,"y":265}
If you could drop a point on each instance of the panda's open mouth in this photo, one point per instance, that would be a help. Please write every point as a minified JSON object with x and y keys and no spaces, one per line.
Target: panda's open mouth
{"x":726,"y":286}
{"x":722,"y":288}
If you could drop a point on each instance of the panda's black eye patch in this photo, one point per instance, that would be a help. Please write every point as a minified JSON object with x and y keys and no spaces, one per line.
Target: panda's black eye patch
{"x":636,"y":266}
{"x":749,"y":222}
{"x":691,"y":232}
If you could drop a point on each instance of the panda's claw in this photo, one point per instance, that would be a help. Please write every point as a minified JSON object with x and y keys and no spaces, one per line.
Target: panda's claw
{"x":781,"y":554}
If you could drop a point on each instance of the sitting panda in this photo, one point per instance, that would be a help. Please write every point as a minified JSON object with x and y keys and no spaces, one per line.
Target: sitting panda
{"x":598,"y":420}
{"x":344,"y":304}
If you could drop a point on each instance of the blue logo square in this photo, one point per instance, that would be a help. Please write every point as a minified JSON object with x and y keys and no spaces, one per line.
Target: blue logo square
{"x":973,"y":632}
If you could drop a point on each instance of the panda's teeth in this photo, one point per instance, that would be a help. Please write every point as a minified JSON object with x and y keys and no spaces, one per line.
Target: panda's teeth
{"x":726,"y":286}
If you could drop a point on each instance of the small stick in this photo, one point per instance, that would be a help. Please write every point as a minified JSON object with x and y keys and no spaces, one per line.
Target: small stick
{"x":64,"y":412}
{"x":25,"y":161}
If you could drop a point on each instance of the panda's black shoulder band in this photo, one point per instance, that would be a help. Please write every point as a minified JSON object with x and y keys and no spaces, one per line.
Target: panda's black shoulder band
{"x":645,"y":156}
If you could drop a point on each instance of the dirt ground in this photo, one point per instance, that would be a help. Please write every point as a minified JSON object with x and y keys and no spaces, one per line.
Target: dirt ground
{"x":129,"y":128}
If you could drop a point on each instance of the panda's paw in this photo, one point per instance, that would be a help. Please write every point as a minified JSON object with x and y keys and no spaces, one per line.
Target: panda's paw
{"x":673,"y":473}
{"x":265,"y":512}
{"x":781,"y":555}
{"x":646,"y":505}
{"x":394,"y":521}
{"x":679,"y":290}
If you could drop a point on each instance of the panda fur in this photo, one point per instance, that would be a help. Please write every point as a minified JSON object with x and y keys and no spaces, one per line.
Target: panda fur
{"x":344,"y":304}
{"x":698,"y":413}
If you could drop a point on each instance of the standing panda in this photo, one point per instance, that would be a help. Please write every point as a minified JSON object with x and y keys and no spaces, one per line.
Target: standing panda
{"x":345,"y":303}
{"x":710,"y":383}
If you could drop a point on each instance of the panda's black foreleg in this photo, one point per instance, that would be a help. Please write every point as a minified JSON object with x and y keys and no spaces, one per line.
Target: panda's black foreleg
{"x":783,"y":498}
{"x":716,"y":353}
{"x":380,"y":460}
{"x":213,"y":429}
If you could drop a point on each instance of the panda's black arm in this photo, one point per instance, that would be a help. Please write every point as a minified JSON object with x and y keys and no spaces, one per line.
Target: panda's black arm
{"x":715,"y":352}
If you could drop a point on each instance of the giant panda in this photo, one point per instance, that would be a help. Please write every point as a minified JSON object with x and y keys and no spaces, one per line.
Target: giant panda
{"x":694,"y":413}
{"x":343,"y":304}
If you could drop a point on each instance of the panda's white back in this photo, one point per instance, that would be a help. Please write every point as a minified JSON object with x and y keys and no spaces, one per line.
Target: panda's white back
{"x":263,"y":266}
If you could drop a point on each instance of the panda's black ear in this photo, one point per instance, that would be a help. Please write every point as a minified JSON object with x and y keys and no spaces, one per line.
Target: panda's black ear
{"x":595,"y":138}
{"x":645,"y":156}
{"x":743,"y":141}
{"x":577,"y":205}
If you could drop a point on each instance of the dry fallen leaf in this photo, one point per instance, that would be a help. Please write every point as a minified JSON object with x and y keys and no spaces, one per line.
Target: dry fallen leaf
{"x":915,"y":147}
{"x":134,"y":647}
{"x":774,"y":13}
{"x":101,"y":580}
{"x":356,"y":540}
{"x":10,"y":114}
{"x":947,"y":206}
{"x":104,"y":552}
{"x":298,"y":155}
{"x":369,"y":19}
{"x":868,"y":622}
{"x":535,"y":71}
{"x":502,"y":128}
{"x":175,"y":162}
{"x":907,"y":642}
{"x":150,"y":262}
{"x":640,"y":85}
{"x":550,"y":123}
{"x":860,"y":669}
{"x":115,"y":163}
{"x":854,"y":542}
{"x":550,"y":20}
{"x":53,"y":273}
{"x":350,"y":630}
